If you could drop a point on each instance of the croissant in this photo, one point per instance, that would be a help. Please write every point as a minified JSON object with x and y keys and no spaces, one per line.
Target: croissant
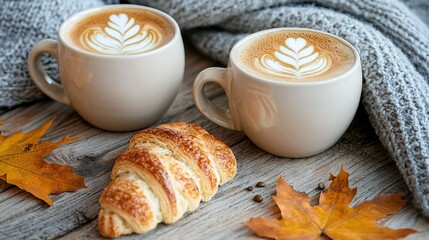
{"x":165,"y":172}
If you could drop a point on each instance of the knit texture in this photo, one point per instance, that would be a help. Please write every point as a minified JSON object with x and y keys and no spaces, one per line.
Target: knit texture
{"x":420,"y":7}
{"x":22,"y":24}
{"x":393,"y":43}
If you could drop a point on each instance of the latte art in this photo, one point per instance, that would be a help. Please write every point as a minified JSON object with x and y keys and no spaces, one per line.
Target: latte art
{"x":122,"y":36}
{"x":295,"y":56}
{"x":295,"y":59}
{"x":122,"y":31}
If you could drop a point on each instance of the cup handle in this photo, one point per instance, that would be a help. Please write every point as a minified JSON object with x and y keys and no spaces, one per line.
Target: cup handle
{"x":45,"y":83}
{"x":227,"y":119}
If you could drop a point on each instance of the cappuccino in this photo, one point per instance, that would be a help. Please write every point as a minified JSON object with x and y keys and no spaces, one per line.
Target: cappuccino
{"x":295,"y":56}
{"x":121,"y":31}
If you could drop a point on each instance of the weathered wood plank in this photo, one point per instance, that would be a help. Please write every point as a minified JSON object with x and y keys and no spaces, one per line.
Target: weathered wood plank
{"x":71,"y":209}
{"x":372,"y":172}
{"x":74,"y":214}
{"x":92,"y":156}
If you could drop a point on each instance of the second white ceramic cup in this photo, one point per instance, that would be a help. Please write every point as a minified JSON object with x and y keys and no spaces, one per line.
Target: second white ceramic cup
{"x":116,"y":93}
{"x":287,"y":119}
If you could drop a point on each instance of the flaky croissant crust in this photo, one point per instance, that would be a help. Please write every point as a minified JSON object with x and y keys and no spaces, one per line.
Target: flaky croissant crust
{"x":165,"y":172}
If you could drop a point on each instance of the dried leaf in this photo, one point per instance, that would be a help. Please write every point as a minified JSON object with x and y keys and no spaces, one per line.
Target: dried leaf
{"x":21,"y":164}
{"x":332,"y":217}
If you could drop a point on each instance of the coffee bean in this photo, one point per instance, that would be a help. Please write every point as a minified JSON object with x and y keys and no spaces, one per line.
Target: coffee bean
{"x":249,"y":188}
{"x":260,"y":184}
{"x":321,"y":186}
{"x":258,"y":198}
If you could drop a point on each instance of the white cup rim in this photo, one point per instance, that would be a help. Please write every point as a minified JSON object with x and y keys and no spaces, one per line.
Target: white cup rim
{"x":352,"y":69}
{"x":65,"y":26}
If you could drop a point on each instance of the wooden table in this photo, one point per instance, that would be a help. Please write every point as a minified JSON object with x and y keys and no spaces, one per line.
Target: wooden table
{"x":74,"y":215}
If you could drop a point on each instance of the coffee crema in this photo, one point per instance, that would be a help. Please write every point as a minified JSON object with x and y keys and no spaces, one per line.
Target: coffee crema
{"x":295,"y":56}
{"x":121,"y":31}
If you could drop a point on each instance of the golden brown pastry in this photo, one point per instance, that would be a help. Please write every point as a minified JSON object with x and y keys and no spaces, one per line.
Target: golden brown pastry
{"x":165,"y":172}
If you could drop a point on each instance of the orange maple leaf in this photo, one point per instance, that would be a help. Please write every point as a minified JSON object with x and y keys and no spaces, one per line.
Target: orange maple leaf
{"x":21,"y":164}
{"x":333,"y":216}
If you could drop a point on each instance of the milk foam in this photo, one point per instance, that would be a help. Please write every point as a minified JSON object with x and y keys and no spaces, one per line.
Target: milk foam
{"x":295,"y":56}
{"x":122,"y":36}
{"x":121,"y":31}
{"x":295,"y":59}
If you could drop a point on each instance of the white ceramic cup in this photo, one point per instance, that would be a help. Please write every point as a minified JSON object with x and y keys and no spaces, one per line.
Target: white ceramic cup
{"x":288,"y":119}
{"x":116,"y":93}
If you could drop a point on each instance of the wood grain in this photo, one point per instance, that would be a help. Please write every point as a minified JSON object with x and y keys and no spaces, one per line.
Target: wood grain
{"x":74,"y":214}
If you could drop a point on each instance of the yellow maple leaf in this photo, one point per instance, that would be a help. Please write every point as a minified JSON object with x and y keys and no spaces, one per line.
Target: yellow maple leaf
{"x":21,"y":164}
{"x":333,"y":216}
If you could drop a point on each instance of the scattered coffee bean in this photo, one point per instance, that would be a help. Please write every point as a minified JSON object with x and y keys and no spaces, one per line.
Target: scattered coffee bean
{"x":321,"y":186}
{"x":260,"y":184}
{"x":258,"y":198}
{"x":249,"y":188}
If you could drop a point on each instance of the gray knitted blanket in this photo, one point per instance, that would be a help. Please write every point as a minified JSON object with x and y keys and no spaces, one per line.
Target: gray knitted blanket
{"x":392,"y":40}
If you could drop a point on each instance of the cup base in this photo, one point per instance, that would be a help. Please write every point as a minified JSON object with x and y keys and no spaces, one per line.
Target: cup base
{"x":296,"y":153}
